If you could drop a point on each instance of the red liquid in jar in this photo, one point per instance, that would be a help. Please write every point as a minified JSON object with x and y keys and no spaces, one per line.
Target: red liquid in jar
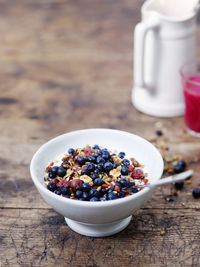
{"x":191,"y":88}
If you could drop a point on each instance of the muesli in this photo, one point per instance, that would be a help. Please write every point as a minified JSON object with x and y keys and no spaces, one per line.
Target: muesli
{"x":94,"y":174}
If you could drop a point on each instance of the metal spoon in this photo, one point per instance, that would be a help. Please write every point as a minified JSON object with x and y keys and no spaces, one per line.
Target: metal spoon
{"x":170,"y":179}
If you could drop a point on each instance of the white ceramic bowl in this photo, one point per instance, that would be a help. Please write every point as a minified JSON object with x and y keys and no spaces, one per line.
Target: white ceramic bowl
{"x":97,"y":218}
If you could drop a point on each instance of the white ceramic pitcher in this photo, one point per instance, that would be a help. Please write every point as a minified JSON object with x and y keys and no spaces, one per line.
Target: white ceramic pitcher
{"x":163,"y":41}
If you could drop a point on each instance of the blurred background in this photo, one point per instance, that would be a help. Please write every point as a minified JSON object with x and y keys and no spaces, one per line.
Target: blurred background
{"x":61,"y":60}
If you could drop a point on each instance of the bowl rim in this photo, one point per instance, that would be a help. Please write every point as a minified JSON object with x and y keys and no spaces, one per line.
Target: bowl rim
{"x":88,"y":204}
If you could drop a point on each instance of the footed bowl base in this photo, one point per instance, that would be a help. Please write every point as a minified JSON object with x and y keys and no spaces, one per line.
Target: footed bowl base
{"x":98,"y":230}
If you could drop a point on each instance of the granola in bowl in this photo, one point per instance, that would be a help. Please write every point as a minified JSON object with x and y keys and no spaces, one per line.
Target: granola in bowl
{"x":92,"y":173}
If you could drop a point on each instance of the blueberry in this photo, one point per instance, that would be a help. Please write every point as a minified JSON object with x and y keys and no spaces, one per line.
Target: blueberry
{"x":52,"y":187}
{"x":131,"y":184}
{"x":84,"y":172}
{"x":71,"y":151}
{"x":82,"y":199}
{"x":120,"y":194}
{"x":182,"y":163}
{"x":63,"y":190}
{"x":98,"y":181}
{"x":121,"y":155}
{"x":107,"y":166}
{"x":96,"y":154}
{"x":95,"y":147}
{"x":125,"y":170}
{"x":159,"y":132}
{"x":57,"y":192}
{"x":100,"y":152}
{"x":85,"y":195}
{"x":114,"y":166}
{"x":78,"y":194}
{"x":66,"y":196}
{"x":135,"y":190}
{"x":178,"y":168}
{"x":94,"y":199}
{"x":112,"y":196}
{"x":126,"y":162}
{"x":93,"y":193}
{"x":102,"y":199}
{"x":91,"y":158}
{"x":91,"y":167}
{"x":51,"y":175}
{"x":96,"y":172}
{"x":106,"y":155}
{"x":61,"y":171}
{"x":103,"y":191}
{"x":93,"y":176}
{"x":81,"y":160}
{"x":100,"y":160}
{"x":196,"y":193}
{"x":85,"y":187}
{"x":54,"y":170}
{"x":110,"y":190}
{"x":124,"y":182}
{"x":100,"y":166}
{"x":179,"y":184}
{"x":65,"y":163}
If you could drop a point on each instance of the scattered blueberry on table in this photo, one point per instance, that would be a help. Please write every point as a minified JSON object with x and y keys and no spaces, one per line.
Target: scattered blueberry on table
{"x":159,"y":132}
{"x":180,"y":166}
{"x":196,"y":193}
{"x":179,"y":185}
{"x":94,"y":174}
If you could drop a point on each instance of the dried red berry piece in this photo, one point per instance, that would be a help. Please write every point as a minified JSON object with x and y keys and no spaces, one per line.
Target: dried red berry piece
{"x":76,"y":168}
{"x":76,"y":184}
{"x":117,"y":188}
{"x":87,"y":152}
{"x":125,"y":192}
{"x":137,"y":174}
{"x":62,"y":183}
{"x":130,"y":168}
{"x":67,"y":158}
{"x":75,"y":158}
{"x":48,"y":168}
{"x":55,"y":181}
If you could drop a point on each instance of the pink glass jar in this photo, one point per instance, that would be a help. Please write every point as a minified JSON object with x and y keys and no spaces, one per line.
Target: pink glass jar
{"x":191,"y":86}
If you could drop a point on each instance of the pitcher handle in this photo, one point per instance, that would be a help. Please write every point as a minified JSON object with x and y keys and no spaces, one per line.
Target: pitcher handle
{"x":141,"y":30}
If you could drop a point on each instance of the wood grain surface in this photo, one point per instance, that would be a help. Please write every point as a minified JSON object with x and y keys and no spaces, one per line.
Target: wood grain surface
{"x":67,"y":65}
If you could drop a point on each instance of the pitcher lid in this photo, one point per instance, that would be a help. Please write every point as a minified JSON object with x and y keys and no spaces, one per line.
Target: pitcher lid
{"x":172,"y":10}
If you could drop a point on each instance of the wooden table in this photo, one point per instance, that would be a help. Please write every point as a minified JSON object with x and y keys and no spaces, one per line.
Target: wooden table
{"x":67,"y":65}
